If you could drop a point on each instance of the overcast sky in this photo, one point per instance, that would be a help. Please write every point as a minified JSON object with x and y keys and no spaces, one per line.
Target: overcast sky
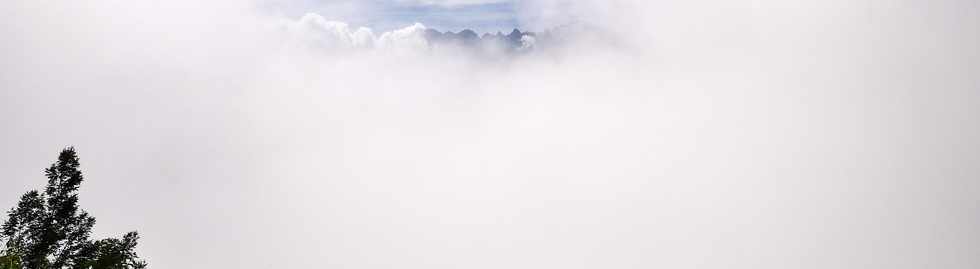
{"x":673,"y":134}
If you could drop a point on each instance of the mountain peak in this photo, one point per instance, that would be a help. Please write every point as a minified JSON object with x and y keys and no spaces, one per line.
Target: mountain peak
{"x":514,"y":42}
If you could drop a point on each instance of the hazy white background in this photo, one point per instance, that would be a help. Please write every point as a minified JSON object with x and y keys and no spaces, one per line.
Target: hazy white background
{"x":698,"y":134}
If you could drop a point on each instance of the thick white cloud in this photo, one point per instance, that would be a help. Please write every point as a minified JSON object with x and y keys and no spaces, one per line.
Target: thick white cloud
{"x":718,"y":134}
{"x":313,"y":29}
{"x":411,"y":37}
{"x":331,"y":34}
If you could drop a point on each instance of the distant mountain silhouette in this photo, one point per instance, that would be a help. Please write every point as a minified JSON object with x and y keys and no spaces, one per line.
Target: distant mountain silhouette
{"x":513,"y":42}
{"x":517,"y":41}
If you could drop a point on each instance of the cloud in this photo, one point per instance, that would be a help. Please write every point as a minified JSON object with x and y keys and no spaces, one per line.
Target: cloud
{"x":718,"y":134}
{"x":452,"y":3}
{"x":527,"y":42}
{"x":314,"y":28}
{"x":389,"y":15}
{"x":407,"y":38}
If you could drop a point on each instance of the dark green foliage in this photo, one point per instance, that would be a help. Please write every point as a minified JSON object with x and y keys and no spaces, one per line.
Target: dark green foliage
{"x":48,"y":230}
{"x":10,"y":261}
{"x":112,"y":253}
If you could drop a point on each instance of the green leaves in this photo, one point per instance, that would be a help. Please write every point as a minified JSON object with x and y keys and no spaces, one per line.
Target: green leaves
{"x":112,"y":253}
{"x":10,"y":261}
{"x":49,"y":231}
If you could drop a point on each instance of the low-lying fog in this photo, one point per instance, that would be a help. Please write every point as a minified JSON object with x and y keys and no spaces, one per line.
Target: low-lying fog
{"x":701,"y":134}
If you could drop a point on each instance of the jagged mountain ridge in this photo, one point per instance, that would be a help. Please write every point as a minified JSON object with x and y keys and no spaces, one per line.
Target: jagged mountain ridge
{"x":514,"y":41}
{"x":316,"y":31}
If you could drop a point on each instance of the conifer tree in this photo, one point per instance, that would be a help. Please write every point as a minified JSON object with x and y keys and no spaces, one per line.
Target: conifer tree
{"x":47,"y":230}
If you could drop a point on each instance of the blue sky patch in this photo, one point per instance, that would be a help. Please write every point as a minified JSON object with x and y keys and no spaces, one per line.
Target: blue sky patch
{"x":384,"y":15}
